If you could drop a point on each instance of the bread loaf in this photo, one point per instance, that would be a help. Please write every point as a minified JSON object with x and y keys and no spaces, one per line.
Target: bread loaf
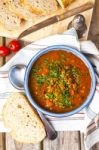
{"x":41,"y":6}
{"x":20,"y":117}
{"x":17,"y":7}
{"x":7,"y":18}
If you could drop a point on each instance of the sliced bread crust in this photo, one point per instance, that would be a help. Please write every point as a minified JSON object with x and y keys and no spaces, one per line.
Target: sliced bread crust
{"x":7,"y":18}
{"x":41,"y":6}
{"x":17,"y":7}
{"x":21,"y":118}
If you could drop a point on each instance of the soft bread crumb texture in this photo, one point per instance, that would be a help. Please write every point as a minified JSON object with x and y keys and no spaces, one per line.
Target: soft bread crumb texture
{"x":41,"y":7}
{"x":17,"y":7}
{"x":19,"y":116}
{"x":7,"y":18}
{"x":15,"y":15}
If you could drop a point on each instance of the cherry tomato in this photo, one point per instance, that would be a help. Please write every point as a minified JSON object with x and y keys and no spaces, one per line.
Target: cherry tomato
{"x":14,"y":46}
{"x":4,"y":51}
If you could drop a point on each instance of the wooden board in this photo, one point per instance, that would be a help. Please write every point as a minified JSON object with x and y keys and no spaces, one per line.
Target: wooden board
{"x":61,"y":143}
{"x":59,"y":28}
{"x":52,"y":29}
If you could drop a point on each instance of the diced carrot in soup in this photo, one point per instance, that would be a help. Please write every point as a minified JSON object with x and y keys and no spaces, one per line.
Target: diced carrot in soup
{"x":58,"y":81}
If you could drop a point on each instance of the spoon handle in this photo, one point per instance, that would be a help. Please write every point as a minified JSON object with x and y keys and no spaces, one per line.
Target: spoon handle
{"x":51,"y":133}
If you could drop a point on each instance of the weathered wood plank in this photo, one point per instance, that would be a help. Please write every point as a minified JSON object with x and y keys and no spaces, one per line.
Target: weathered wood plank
{"x":94,"y":36}
{"x":2,"y":135}
{"x":82,"y":141}
{"x":9,"y":143}
{"x":27,"y":146}
{"x":96,"y":147}
{"x":65,"y":141}
{"x":13,"y":145}
{"x":94,"y":28}
{"x":2,"y":141}
{"x":2,"y":42}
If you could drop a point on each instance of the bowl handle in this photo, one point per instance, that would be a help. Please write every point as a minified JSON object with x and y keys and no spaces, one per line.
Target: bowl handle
{"x":90,"y":113}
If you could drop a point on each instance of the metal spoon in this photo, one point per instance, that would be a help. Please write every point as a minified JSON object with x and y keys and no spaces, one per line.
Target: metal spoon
{"x":16,"y":77}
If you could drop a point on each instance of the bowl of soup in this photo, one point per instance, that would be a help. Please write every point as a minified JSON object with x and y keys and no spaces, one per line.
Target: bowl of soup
{"x":59,"y":81}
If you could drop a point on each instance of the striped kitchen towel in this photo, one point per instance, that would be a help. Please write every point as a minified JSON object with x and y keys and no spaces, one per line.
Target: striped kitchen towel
{"x":86,"y":120}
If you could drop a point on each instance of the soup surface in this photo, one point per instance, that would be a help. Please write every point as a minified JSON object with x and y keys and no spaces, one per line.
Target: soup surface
{"x":59,"y":81}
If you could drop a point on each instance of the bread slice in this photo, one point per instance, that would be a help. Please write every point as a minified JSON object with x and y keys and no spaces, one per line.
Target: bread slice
{"x":20,"y":117}
{"x":41,"y":6}
{"x":17,"y":7}
{"x":64,"y":3}
{"x":7,"y":18}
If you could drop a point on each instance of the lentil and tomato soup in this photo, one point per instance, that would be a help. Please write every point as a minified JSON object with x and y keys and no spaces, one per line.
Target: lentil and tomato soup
{"x":59,"y":81}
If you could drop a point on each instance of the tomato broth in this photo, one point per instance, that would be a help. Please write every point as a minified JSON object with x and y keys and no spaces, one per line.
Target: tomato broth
{"x":59,"y":81}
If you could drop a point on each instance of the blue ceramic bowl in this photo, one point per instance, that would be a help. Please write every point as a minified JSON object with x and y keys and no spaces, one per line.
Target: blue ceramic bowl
{"x":78,"y":54}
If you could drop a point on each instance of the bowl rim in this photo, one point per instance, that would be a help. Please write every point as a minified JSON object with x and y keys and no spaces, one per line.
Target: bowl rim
{"x":78,"y":54}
